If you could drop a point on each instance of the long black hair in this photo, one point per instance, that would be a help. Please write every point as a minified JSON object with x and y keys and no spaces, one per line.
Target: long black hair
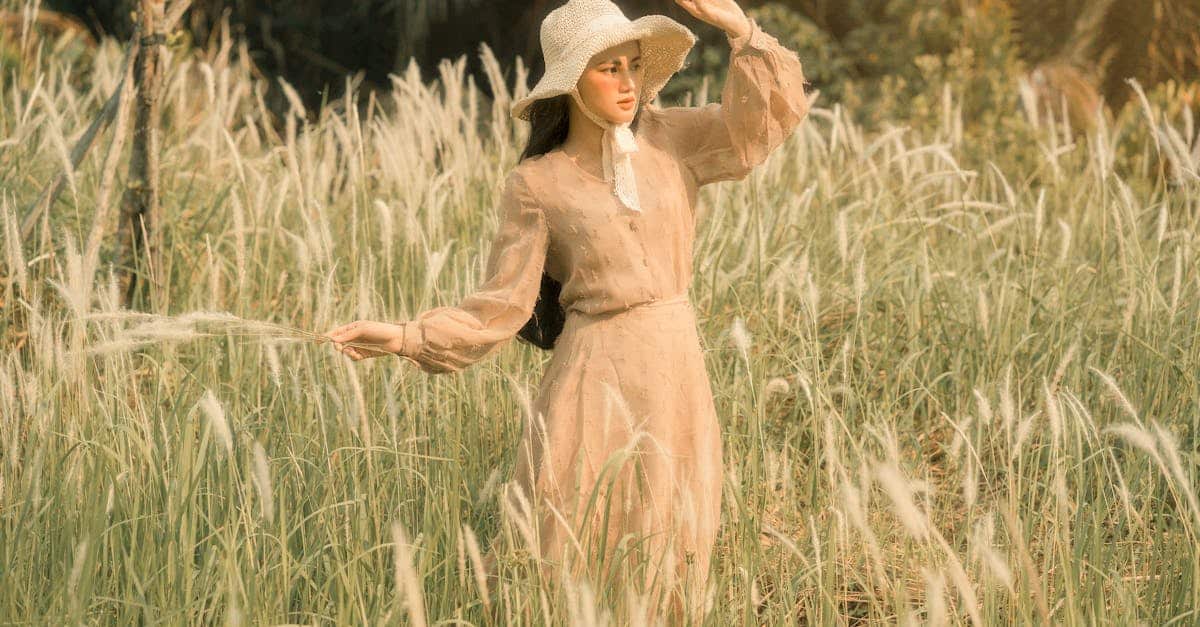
{"x":549,"y":120}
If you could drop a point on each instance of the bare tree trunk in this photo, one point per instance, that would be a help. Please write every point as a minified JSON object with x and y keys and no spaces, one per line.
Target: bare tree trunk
{"x":139,"y":212}
{"x":99,"y":124}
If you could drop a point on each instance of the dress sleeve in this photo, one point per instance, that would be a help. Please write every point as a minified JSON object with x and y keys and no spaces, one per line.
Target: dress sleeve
{"x":762,"y":102}
{"x":448,"y":339}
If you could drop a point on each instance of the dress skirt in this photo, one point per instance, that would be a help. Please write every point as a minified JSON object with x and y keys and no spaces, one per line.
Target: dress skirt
{"x":634,"y":481}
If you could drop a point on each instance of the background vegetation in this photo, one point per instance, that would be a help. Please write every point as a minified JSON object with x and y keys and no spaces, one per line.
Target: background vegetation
{"x":313,"y":44}
{"x":951,"y":329}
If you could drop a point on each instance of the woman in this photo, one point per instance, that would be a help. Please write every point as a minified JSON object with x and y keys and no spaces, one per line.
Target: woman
{"x":622,"y":462}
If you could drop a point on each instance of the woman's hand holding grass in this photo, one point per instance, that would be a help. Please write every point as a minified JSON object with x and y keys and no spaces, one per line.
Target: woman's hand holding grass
{"x":369,"y":339}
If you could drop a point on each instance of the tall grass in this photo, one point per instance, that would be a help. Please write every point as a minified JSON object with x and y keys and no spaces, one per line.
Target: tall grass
{"x":956,"y":372}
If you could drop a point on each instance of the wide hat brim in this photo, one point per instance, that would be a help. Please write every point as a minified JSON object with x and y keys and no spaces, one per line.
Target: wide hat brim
{"x":665,"y":44}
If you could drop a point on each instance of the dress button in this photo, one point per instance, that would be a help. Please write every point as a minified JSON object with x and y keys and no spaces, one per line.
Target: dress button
{"x":633,"y":226}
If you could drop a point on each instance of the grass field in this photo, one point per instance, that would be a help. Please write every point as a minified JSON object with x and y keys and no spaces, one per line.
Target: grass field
{"x":956,"y":367}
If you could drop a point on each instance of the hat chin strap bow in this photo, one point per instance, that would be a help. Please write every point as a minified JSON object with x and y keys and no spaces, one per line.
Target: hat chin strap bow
{"x":618,"y":144}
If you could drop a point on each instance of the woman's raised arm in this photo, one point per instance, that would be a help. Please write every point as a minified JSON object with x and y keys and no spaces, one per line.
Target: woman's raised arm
{"x":762,"y":102}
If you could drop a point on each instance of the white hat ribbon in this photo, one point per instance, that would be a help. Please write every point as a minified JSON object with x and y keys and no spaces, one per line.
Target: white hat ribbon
{"x":617,"y":143}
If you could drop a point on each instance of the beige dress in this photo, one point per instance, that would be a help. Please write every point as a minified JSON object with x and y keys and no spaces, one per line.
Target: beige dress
{"x":624,"y":412}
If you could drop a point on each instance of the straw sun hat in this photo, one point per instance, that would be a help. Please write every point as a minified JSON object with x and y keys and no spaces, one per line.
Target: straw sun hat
{"x":578,"y":30}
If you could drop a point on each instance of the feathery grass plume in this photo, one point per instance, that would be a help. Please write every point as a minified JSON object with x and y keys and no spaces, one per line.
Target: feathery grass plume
{"x":829,"y":449}
{"x":843,"y":236}
{"x":489,"y":486}
{"x":1062,"y":496}
{"x":81,"y":554}
{"x":363,"y":281}
{"x":856,"y":510}
{"x":581,"y":604}
{"x":970,"y":481}
{"x":1053,"y":415}
{"x":361,"y":424}
{"x":961,"y":431}
{"x":114,"y":347}
{"x":779,"y":471}
{"x":1024,"y":430}
{"x":1176,"y":281}
{"x":239,"y":238}
{"x":899,"y":491}
{"x":408,"y":587}
{"x":185,"y":327}
{"x":435,"y":262}
{"x":523,"y":399}
{"x":777,"y":385}
{"x":1137,"y":436}
{"x":982,"y":310}
{"x":216,"y":420}
{"x":1039,"y":216}
{"x":984,"y":405}
{"x":294,"y":100}
{"x":213,"y":275}
{"x":216,"y":317}
{"x":109,"y":297}
{"x":477,"y":565}
{"x":741,"y":337}
{"x":852,"y":505}
{"x":923,"y":261}
{"x":518,"y":511}
{"x":756,"y":598}
{"x":461,"y":549}
{"x":1064,"y":247}
{"x":806,"y":386}
{"x":54,"y":131}
{"x":1131,"y":304}
{"x":387,"y":228}
{"x":1061,"y":370}
{"x":75,"y":284}
{"x":1116,"y":393}
{"x":1161,"y":227}
{"x":262,"y":482}
{"x":14,"y":252}
{"x":162,"y":332}
{"x":637,"y":606}
{"x":966,"y":591}
{"x":273,"y":364}
{"x":997,"y":567}
{"x":860,"y":281}
{"x":786,"y":541}
{"x":234,"y":617}
{"x":1008,"y":408}
{"x":935,"y":598}
{"x":1170,"y":452}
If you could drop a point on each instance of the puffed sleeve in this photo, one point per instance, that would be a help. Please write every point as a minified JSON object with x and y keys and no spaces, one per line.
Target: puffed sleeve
{"x":762,"y":102}
{"x":448,"y":339}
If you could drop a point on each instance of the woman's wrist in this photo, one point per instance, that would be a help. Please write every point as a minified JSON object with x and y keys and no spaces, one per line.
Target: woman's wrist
{"x":408,"y":339}
{"x":740,"y":30}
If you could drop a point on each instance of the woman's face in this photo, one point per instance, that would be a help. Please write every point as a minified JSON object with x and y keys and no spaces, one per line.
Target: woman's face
{"x":612,"y":81}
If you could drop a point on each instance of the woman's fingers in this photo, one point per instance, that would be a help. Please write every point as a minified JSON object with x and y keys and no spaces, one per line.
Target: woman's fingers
{"x":344,"y":333}
{"x":359,"y":353}
{"x":371,"y":339}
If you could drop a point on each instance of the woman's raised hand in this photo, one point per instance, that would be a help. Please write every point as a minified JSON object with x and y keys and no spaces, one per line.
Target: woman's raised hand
{"x":724,"y":14}
{"x":370,"y":339}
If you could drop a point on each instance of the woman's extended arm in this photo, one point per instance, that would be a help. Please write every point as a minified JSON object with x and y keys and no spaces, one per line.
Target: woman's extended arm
{"x":762,"y":102}
{"x":448,"y":339}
